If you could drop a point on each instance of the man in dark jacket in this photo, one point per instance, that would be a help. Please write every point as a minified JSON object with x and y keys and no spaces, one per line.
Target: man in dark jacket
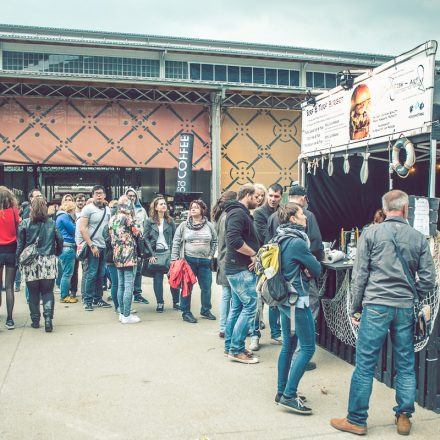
{"x":261,"y":217}
{"x":382,"y":291}
{"x":31,"y":196}
{"x":241,"y":251}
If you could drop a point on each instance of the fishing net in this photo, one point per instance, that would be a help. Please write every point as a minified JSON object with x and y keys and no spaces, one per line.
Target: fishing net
{"x":337,"y":310}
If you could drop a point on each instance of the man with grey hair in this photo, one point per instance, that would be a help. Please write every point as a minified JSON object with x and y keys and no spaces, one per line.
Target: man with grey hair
{"x":381,"y":291}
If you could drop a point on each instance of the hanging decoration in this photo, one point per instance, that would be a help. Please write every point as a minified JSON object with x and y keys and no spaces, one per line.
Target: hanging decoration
{"x":322,"y":162}
{"x":364,"y":168}
{"x":346,"y":162}
{"x":309,"y":167}
{"x":410,"y":159}
{"x":330,"y":163}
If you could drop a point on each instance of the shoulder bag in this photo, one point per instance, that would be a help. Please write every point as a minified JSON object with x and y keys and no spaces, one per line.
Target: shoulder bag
{"x":30,"y":252}
{"x":82,"y":250}
{"x":421,"y":314}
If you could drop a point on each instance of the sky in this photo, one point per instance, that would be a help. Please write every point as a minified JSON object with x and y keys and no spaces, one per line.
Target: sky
{"x":387,"y":27}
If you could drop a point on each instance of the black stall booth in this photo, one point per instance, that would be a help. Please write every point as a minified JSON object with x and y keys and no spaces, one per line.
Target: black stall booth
{"x":352,"y":136}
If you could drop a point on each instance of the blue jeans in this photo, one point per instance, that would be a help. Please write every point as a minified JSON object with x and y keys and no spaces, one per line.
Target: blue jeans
{"x":375,"y":322}
{"x":67,"y":259}
{"x":291,"y":365}
{"x":113,"y":272}
{"x":125,"y":288}
{"x":274,"y":322}
{"x":243,"y":308}
{"x":94,"y":277}
{"x":138,"y":280}
{"x":225,"y":305}
{"x":59,"y":272}
{"x":158,"y":289}
{"x":202,"y":270}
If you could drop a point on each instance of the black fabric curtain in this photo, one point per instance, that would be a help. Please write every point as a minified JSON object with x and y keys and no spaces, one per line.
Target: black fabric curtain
{"x":342,"y":201}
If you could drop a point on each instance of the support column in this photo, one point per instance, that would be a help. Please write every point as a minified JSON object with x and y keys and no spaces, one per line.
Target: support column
{"x":432,"y":167}
{"x":215,"y":147}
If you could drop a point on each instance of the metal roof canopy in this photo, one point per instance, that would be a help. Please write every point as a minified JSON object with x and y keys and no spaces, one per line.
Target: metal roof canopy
{"x":180,"y":44}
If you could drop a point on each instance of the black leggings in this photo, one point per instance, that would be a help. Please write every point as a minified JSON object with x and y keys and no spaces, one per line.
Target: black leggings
{"x":45,"y":289}
{"x":9,"y":284}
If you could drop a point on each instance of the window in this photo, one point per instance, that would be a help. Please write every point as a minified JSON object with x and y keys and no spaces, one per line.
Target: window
{"x":283,"y":77}
{"x":294,"y":78}
{"x":207,"y":72}
{"x":82,"y":64}
{"x":330,"y":80}
{"x":176,"y":69}
{"x":246,"y":74}
{"x":220,"y":73}
{"x":271,"y":76}
{"x":233,"y":74}
{"x":258,"y":75}
{"x":194,"y":71}
{"x":321,"y":80}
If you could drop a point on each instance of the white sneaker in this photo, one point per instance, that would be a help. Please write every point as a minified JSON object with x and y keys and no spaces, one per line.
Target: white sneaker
{"x":56,"y":289}
{"x":120,"y":317}
{"x":255,"y":343}
{"x":130,"y":319}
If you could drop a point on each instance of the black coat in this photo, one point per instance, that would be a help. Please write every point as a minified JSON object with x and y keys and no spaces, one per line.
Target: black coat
{"x":151,"y":234}
{"x":50,"y":243}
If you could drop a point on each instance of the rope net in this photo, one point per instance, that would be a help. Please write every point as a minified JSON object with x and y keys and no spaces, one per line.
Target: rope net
{"x":337,"y":310}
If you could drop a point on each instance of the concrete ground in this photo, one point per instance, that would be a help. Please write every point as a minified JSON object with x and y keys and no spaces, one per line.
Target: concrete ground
{"x":93,"y":378}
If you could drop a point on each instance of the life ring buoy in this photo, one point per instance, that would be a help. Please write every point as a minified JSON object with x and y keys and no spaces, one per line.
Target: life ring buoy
{"x":410,"y":160}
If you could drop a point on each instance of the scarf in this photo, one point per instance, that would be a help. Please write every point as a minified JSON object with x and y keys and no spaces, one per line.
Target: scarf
{"x":198,"y":226}
{"x":293,"y":230}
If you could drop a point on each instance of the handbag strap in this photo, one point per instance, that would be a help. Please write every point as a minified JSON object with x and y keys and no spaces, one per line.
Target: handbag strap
{"x":15,"y":221}
{"x":406,"y":269}
{"x":99,"y":224}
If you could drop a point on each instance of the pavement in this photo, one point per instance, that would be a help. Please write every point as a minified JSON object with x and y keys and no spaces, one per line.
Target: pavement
{"x":94,"y":378}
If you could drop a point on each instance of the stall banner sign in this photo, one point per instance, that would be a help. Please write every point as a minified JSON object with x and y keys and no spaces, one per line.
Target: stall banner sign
{"x":184,"y":166}
{"x":393,"y":99}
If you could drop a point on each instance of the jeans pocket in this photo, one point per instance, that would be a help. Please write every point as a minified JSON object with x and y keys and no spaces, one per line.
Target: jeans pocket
{"x":377,"y":312}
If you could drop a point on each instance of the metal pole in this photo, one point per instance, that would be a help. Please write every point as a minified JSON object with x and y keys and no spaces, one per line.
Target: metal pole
{"x":215,"y":147}
{"x":432,"y":168}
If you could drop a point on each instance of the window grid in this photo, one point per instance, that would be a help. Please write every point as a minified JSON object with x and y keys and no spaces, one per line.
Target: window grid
{"x":82,"y":64}
{"x":321,"y":80}
{"x":244,"y":74}
{"x":176,"y":69}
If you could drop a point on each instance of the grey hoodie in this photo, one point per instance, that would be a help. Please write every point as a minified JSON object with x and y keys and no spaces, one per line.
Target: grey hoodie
{"x":140,"y":214}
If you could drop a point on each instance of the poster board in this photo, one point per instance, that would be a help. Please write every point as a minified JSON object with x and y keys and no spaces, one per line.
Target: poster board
{"x":393,"y":99}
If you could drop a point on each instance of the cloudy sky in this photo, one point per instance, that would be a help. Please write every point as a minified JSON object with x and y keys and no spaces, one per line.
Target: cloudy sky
{"x":375,"y":26}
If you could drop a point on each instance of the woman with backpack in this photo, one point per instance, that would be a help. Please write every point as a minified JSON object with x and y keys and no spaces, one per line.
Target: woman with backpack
{"x":196,"y":242}
{"x":9,"y":221}
{"x":40,"y":271}
{"x":219,"y":217}
{"x":298,"y":266}
{"x":158,"y":235}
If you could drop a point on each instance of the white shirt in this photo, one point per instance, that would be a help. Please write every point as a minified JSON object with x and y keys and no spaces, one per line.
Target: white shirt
{"x":161,"y":242}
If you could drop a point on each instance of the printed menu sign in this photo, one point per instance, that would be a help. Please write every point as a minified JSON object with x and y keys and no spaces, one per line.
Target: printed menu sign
{"x":392,"y":99}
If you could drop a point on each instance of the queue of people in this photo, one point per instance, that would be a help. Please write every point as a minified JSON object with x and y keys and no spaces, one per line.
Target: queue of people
{"x":120,"y":238}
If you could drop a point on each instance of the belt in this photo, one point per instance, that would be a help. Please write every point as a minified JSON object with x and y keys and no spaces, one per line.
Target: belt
{"x":71,"y":245}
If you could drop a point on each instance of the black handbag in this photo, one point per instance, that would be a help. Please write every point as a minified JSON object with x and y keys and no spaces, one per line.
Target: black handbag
{"x":162,"y":264}
{"x":83,"y":250}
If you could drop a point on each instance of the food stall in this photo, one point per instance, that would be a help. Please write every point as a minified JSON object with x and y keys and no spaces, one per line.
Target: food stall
{"x":374,"y":132}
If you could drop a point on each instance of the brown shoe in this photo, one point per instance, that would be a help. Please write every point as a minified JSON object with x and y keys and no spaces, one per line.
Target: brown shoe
{"x":403,"y":424}
{"x":243,"y":358}
{"x":345,"y":425}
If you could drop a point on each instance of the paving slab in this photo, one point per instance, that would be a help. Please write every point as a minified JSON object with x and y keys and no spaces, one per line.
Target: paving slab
{"x":96,"y":379}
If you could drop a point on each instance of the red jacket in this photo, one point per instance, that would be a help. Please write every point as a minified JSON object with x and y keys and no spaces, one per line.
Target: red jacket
{"x":8,"y":226}
{"x":181,"y":275}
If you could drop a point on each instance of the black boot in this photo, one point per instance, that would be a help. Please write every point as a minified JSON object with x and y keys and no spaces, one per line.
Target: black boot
{"x":34,"y":308}
{"x":48,"y":307}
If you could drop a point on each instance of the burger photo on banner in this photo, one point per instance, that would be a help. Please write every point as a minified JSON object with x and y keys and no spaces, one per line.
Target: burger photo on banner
{"x":359,"y":112}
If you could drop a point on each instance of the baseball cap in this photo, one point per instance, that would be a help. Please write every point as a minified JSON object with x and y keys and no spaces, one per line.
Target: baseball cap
{"x":297,"y":190}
